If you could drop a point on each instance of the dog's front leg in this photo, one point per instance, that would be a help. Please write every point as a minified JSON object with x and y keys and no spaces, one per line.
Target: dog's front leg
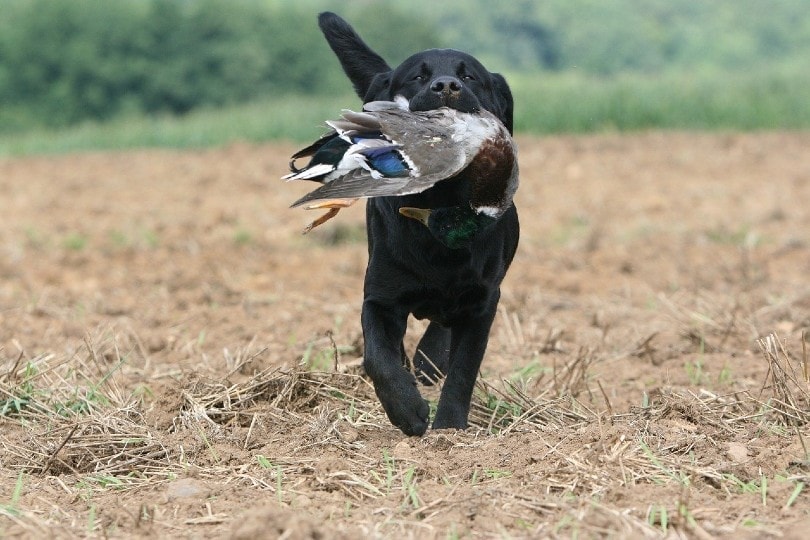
{"x":383,"y":330}
{"x":467,"y":347}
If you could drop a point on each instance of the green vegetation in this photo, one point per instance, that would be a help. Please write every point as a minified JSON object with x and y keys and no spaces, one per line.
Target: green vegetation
{"x":109,"y":75}
{"x":29,"y":397}
{"x":290,"y":117}
{"x":64,"y":62}
{"x":766,"y":98}
{"x":12,"y":508}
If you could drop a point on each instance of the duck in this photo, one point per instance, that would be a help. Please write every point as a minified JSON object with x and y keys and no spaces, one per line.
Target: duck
{"x":388,"y":150}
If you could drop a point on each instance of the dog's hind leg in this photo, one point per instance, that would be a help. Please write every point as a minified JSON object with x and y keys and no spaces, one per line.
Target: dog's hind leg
{"x":404,"y":355}
{"x":395,"y":386}
{"x":432,"y":354}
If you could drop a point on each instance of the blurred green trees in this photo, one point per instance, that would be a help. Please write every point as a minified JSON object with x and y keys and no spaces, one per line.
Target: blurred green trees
{"x":65,"y":61}
{"x":62,"y":61}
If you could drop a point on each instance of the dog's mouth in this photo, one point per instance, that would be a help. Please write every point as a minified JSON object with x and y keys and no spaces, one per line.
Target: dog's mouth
{"x":465,"y":102}
{"x":462,"y":105}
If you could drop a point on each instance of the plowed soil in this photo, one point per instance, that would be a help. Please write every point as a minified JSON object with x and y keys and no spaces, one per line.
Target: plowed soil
{"x":176,"y":359}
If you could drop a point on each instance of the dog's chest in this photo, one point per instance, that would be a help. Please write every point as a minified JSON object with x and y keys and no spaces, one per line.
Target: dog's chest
{"x":450,"y":304}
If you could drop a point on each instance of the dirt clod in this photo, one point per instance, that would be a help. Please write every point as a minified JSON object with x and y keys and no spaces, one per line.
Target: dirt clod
{"x":186,"y":488}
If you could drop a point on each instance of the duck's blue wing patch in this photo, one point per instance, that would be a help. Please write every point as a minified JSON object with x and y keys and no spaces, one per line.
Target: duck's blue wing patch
{"x":387,"y":162}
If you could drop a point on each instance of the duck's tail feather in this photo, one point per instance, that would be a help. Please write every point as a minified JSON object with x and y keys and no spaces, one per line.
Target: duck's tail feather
{"x":314,"y":172}
{"x":309,"y":150}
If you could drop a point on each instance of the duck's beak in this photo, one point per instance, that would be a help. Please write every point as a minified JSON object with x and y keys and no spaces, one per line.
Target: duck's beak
{"x":419,"y":214}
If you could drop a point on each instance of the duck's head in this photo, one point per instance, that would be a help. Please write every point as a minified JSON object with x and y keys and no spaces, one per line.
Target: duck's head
{"x":453,"y":226}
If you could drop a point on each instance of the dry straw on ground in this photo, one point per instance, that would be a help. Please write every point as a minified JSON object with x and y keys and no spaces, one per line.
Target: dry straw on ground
{"x":69,"y":422}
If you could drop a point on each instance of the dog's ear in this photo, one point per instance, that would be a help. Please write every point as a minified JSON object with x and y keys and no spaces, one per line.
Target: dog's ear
{"x":379,"y":88}
{"x":504,"y":95}
{"x":359,"y":62}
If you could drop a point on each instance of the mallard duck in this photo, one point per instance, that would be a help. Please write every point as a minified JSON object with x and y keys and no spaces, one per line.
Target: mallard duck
{"x":388,"y":150}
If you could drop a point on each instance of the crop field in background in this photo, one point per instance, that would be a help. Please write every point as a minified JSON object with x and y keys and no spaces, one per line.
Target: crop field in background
{"x":177,"y":360}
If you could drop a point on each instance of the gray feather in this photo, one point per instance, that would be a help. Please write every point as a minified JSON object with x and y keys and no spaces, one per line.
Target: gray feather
{"x":358,"y":184}
{"x":362,"y":120}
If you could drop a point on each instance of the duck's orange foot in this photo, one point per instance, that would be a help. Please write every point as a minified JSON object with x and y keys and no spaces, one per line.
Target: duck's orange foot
{"x":334,"y":206}
{"x":321,"y":220}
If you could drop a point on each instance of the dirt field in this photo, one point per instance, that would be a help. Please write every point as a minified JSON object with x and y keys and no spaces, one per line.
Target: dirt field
{"x":176,"y":359}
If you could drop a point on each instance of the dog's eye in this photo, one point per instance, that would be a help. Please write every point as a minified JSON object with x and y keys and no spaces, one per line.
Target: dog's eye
{"x":418,"y":78}
{"x":468,"y":78}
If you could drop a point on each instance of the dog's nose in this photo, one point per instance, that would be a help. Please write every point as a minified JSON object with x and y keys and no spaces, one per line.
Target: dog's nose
{"x":449,"y":86}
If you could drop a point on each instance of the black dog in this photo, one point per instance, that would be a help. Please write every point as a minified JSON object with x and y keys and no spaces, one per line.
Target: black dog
{"x":409,"y":271}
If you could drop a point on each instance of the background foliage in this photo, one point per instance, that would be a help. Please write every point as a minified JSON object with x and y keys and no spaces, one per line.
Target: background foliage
{"x":574,"y":65}
{"x":63,"y":60}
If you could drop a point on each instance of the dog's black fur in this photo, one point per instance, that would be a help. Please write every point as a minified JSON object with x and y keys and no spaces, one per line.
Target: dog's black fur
{"x":409,"y":271}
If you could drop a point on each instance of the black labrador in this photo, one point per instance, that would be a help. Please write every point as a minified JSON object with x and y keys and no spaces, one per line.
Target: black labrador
{"x":409,"y":271}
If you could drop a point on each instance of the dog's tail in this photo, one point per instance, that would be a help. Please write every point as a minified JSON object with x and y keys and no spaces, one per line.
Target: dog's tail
{"x":359,"y":62}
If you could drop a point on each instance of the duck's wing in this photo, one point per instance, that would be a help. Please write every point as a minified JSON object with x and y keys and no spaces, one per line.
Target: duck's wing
{"x":395,"y":151}
{"x":357,"y":184}
{"x":360,"y":184}
{"x":356,"y":141}
{"x":433,"y":146}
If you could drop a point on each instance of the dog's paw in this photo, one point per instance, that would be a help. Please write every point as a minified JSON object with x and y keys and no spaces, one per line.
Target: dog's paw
{"x":405,"y":407}
{"x":451,"y":417}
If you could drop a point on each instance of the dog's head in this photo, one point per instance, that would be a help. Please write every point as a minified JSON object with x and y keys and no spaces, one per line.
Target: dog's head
{"x":428,"y":79}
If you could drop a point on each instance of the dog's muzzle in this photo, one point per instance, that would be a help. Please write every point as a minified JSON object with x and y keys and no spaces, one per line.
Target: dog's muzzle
{"x":447,"y":87}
